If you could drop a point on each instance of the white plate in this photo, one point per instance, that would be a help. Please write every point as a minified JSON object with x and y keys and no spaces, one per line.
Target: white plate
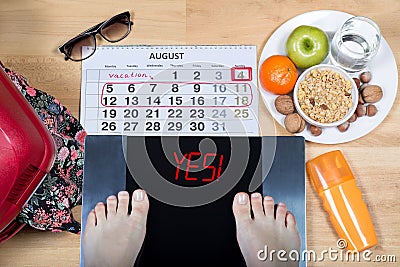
{"x":383,"y":68}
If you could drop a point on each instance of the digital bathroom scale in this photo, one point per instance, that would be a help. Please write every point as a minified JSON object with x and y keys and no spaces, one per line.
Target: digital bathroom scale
{"x":191,"y":183}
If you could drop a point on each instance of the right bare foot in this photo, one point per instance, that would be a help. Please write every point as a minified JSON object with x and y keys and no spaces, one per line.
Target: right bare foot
{"x":276,"y":232}
{"x":114,"y":238}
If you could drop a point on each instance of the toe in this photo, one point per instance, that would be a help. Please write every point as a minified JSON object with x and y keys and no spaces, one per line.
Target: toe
{"x":257,"y":206}
{"x":91,"y":220}
{"x":241,"y":208}
{"x":269,"y":207}
{"x":290,"y":221}
{"x":123,"y":203}
{"x":281,"y":214}
{"x":111,"y":206}
{"x":100,"y":211}
{"x":140,"y":205}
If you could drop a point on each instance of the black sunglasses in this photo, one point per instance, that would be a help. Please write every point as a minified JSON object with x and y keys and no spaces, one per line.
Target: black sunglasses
{"x":113,"y":30}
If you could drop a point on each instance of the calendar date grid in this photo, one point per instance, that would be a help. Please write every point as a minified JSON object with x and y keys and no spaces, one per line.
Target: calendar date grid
{"x":216,"y":100}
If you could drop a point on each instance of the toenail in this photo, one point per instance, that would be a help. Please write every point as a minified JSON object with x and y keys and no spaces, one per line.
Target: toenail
{"x":268,"y":198}
{"x":112,"y":197}
{"x":255,"y":195}
{"x":123,"y":193}
{"x":281,"y":204}
{"x":100,"y":204}
{"x":139,"y":195}
{"x":242,"y":199}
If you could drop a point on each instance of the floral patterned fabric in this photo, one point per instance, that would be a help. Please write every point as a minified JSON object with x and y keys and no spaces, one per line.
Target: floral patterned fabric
{"x":50,"y":206}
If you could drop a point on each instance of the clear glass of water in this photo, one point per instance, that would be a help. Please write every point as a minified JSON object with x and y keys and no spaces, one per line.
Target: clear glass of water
{"x":355,"y":43}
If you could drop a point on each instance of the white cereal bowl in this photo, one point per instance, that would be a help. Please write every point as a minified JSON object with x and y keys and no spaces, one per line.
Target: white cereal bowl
{"x":354,"y":95}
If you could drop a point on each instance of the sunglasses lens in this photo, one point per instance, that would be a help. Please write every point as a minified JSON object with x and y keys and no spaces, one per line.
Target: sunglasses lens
{"x":73,"y":49}
{"x":116,"y":28}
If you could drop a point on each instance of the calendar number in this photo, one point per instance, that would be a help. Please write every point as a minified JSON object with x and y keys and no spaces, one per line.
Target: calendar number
{"x":131,"y":88}
{"x":112,"y":113}
{"x":196,"y":113}
{"x":151,"y":114}
{"x":176,"y":100}
{"x":197,"y":101}
{"x":110,"y":101}
{"x":196,"y":88}
{"x":175,"y":88}
{"x":196,"y":126}
{"x":242,"y":100}
{"x":218,"y":75}
{"x":109,"y":88}
{"x":131,"y":113}
{"x":153,"y":87}
{"x":216,"y":126}
{"x":219,"y":100}
{"x":240,"y":75}
{"x":153,"y":126}
{"x":134,"y":100}
{"x":241,"y":87}
{"x":241,"y":113}
{"x":108,"y":126}
{"x":174,"y":113}
{"x":130,"y":126}
{"x":154,"y":101}
{"x":219,"y":88}
{"x":196,"y":75}
{"x":174,"y":126}
{"x":216,"y":113}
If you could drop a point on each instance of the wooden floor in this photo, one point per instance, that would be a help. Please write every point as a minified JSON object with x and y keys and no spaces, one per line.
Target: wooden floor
{"x":31,"y":31}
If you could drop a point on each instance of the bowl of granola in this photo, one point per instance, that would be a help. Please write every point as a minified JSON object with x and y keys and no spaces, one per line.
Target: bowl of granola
{"x":325,"y":95}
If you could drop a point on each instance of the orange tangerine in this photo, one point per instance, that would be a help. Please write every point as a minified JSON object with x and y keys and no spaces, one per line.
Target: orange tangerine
{"x":278,"y":74}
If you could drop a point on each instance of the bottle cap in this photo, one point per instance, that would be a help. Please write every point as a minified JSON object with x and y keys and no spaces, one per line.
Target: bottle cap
{"x":328,"y":170}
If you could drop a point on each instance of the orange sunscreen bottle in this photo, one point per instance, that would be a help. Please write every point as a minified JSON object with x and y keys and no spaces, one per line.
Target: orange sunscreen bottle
{"x":332,"y":178}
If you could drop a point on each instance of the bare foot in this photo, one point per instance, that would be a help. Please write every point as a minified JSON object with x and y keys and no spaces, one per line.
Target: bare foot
{"x":265,"y":231}
{"x":114,"y":238}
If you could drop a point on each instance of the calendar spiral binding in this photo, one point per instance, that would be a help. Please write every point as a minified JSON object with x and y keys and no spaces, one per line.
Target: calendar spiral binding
{"x":144,"y":46}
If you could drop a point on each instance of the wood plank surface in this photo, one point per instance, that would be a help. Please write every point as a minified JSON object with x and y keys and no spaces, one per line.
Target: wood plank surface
{"x":31,"y":31}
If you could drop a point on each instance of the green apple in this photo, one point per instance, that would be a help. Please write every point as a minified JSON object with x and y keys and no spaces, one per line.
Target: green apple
{"x":307,"y":46}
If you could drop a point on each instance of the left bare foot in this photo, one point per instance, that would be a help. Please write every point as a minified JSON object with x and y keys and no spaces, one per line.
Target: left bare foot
{"x":114,"y":238}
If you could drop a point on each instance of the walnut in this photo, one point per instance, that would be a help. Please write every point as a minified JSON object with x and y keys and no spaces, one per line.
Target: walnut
{"x":362,"y":87}
{"x":302,"y":126}
{"x":293,"y":122}
{"x":372,"y":93}
{"x":284,"y":104}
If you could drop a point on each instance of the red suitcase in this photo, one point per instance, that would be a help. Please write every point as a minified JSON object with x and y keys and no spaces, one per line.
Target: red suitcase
{"x":27,"y":153}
